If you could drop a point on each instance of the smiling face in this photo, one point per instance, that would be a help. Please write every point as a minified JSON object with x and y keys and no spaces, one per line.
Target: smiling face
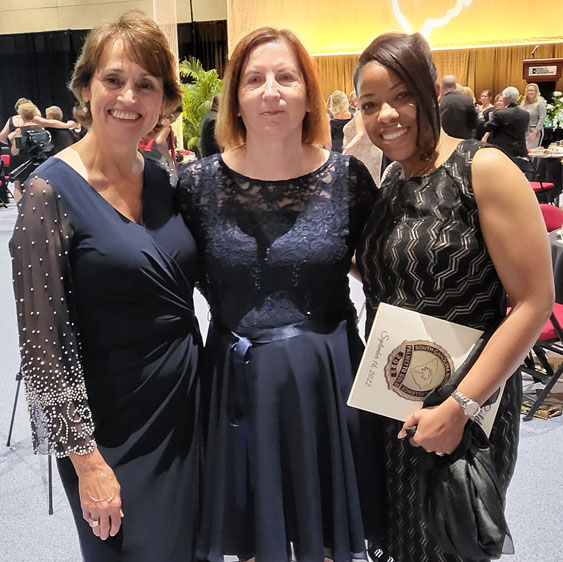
{"x":125,"y":99}
{"x":531,"y":94}
{"x":389,"y":114}
{"x":272,"y":97}
{"x":485,"y":99}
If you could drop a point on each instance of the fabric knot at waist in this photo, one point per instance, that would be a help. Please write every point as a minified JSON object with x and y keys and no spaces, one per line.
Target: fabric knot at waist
{"x":240,"y":355}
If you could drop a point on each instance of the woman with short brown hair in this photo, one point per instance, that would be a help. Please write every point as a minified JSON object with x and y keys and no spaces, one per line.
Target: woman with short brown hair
{"x":290,"y":470}
{"x":104,"y":269}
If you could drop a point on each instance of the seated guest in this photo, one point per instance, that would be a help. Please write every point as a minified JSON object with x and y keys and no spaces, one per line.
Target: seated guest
{"x":499,"y":101}
{"x":340,"y":116}
{"x":508,"y":126}
{"x":484,"y":110}
{"x":457,"y":112}
{"x":209,"y":144}
{"x":61,"y":138}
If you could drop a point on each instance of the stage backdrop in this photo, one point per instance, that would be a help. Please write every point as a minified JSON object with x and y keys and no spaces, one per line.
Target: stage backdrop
{"x":341,"y":27}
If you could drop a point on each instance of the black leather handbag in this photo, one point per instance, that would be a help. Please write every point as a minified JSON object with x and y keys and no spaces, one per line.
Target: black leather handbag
{"x":463,"y":502}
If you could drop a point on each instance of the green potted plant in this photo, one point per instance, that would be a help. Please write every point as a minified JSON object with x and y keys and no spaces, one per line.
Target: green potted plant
{"x":198,"y":95}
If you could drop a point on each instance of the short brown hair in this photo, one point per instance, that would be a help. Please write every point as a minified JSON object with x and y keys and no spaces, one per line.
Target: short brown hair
{"x":55,"y":111}
{"x":28,"y":110}
{"x":146,"y":45}
{"x":230,"y":130}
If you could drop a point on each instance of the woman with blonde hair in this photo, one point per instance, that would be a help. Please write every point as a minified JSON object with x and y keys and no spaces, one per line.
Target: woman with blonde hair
{"x":535,"y":105}
{"x":27,"y":112}
{"x":340,"y":110}
{"x":290,"y":470}
{"x":104,"y":269}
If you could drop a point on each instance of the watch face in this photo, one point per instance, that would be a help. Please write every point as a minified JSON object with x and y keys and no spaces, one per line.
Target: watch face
{"x":472,"y":408}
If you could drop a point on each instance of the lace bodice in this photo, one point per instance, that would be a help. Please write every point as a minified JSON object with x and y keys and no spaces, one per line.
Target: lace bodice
{"x":276,"y":253}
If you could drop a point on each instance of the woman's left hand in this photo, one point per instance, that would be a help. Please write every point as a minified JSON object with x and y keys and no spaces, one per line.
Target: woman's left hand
{"x":439,"y":429}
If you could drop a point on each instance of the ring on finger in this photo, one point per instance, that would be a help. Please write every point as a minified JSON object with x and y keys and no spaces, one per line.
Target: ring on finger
{"x":93,"y":523}
{"x":440,"y":454}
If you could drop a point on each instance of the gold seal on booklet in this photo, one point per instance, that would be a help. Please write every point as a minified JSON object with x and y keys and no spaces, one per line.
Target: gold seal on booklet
{"x":416,"y":368}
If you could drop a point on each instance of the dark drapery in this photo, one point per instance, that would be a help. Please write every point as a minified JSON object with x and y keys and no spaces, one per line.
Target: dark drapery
{"x":38,"y":66}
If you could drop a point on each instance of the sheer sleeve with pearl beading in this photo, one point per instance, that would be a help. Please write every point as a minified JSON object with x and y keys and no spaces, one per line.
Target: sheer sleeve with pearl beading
{"x":51,"y":365}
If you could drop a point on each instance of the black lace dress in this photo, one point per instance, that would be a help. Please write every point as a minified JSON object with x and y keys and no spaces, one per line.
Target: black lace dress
{"x":290,"y":470}
{"x":110,"y":348}
{"x":422,"y":249}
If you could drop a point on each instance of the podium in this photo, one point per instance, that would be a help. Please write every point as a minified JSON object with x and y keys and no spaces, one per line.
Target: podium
{"x":542,"y":70}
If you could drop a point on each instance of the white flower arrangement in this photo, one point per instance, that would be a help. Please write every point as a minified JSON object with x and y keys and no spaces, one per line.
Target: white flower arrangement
{"x":554,"y":111}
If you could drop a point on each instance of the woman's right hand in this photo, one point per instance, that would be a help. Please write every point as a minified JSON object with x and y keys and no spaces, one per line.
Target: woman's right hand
{"x":99,"y":494}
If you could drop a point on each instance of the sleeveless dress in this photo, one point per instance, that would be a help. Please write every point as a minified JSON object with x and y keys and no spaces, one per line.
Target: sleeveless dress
{"x":423,"y":249}
{"x":290,"y":470}
{"x":110,"y":347}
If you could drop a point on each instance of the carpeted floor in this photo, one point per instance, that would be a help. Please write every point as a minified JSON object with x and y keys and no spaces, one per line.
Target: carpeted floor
{"x":29,"y":534}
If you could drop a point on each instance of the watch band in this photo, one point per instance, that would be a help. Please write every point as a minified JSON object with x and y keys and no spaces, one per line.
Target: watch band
{"x":470,"y":408}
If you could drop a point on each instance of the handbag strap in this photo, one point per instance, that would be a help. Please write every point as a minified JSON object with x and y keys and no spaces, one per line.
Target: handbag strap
{"x":443,"y":391}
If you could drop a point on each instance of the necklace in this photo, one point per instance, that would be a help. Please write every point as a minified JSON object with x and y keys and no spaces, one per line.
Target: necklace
{"x":428,"y":165}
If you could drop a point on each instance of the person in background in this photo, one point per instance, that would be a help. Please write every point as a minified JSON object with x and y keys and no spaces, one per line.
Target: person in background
{"x":535,"y":105}
{"x":340,"y":116}
{"x":486,"y":106}
{"x":15,"y":121}
{"x":467,"y":91}
{"x":499,"y":102}
{"x":209,"y":144}
{"x":61,"y":138}
{"x":444,"y":197}
{"x":352,"y":102}
{"x":508,"y":126}
{"x":104,"y":269}
{"x":357,"y":144}
{"x":457,"y":112}
{"x":484,"y":110}
{"x":161,"y":145}
{"x":291,"y":472}
{"x":21,"y":150}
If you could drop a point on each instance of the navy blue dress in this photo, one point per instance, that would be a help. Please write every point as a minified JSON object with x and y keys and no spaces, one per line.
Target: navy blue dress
{"x":291,"y":472}
{"x":110,"y":348}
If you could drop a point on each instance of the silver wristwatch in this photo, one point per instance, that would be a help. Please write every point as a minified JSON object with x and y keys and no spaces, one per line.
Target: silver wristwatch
{"x":470,"y":408}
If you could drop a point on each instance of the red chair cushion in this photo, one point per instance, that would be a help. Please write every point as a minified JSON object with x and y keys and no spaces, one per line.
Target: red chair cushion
{"x":552,"y":215}
{"x":537,"y":186}
{"x":548,"y":332}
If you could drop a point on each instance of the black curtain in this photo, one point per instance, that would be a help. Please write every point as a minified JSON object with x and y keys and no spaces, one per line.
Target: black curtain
{"x":38,"y":66}
{"x":205,"y":40}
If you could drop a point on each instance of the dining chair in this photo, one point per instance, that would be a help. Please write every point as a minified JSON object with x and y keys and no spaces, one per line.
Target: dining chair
{"x":550,"y":340}
{"x":552,"y":215}
{"x":544,"y":190}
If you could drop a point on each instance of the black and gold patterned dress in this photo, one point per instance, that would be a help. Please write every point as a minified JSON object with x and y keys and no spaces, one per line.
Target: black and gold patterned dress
{"x":423,"y":250}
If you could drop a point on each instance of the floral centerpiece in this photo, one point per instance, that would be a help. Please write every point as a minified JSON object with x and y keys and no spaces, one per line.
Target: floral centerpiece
{"x":554,"y":112}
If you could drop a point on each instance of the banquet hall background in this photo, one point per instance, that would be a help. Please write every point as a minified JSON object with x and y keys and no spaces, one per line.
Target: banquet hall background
{"x":481,"y":43}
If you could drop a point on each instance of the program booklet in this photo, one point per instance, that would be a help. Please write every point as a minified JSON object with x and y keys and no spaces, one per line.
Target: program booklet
{"x":407,"y":356}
